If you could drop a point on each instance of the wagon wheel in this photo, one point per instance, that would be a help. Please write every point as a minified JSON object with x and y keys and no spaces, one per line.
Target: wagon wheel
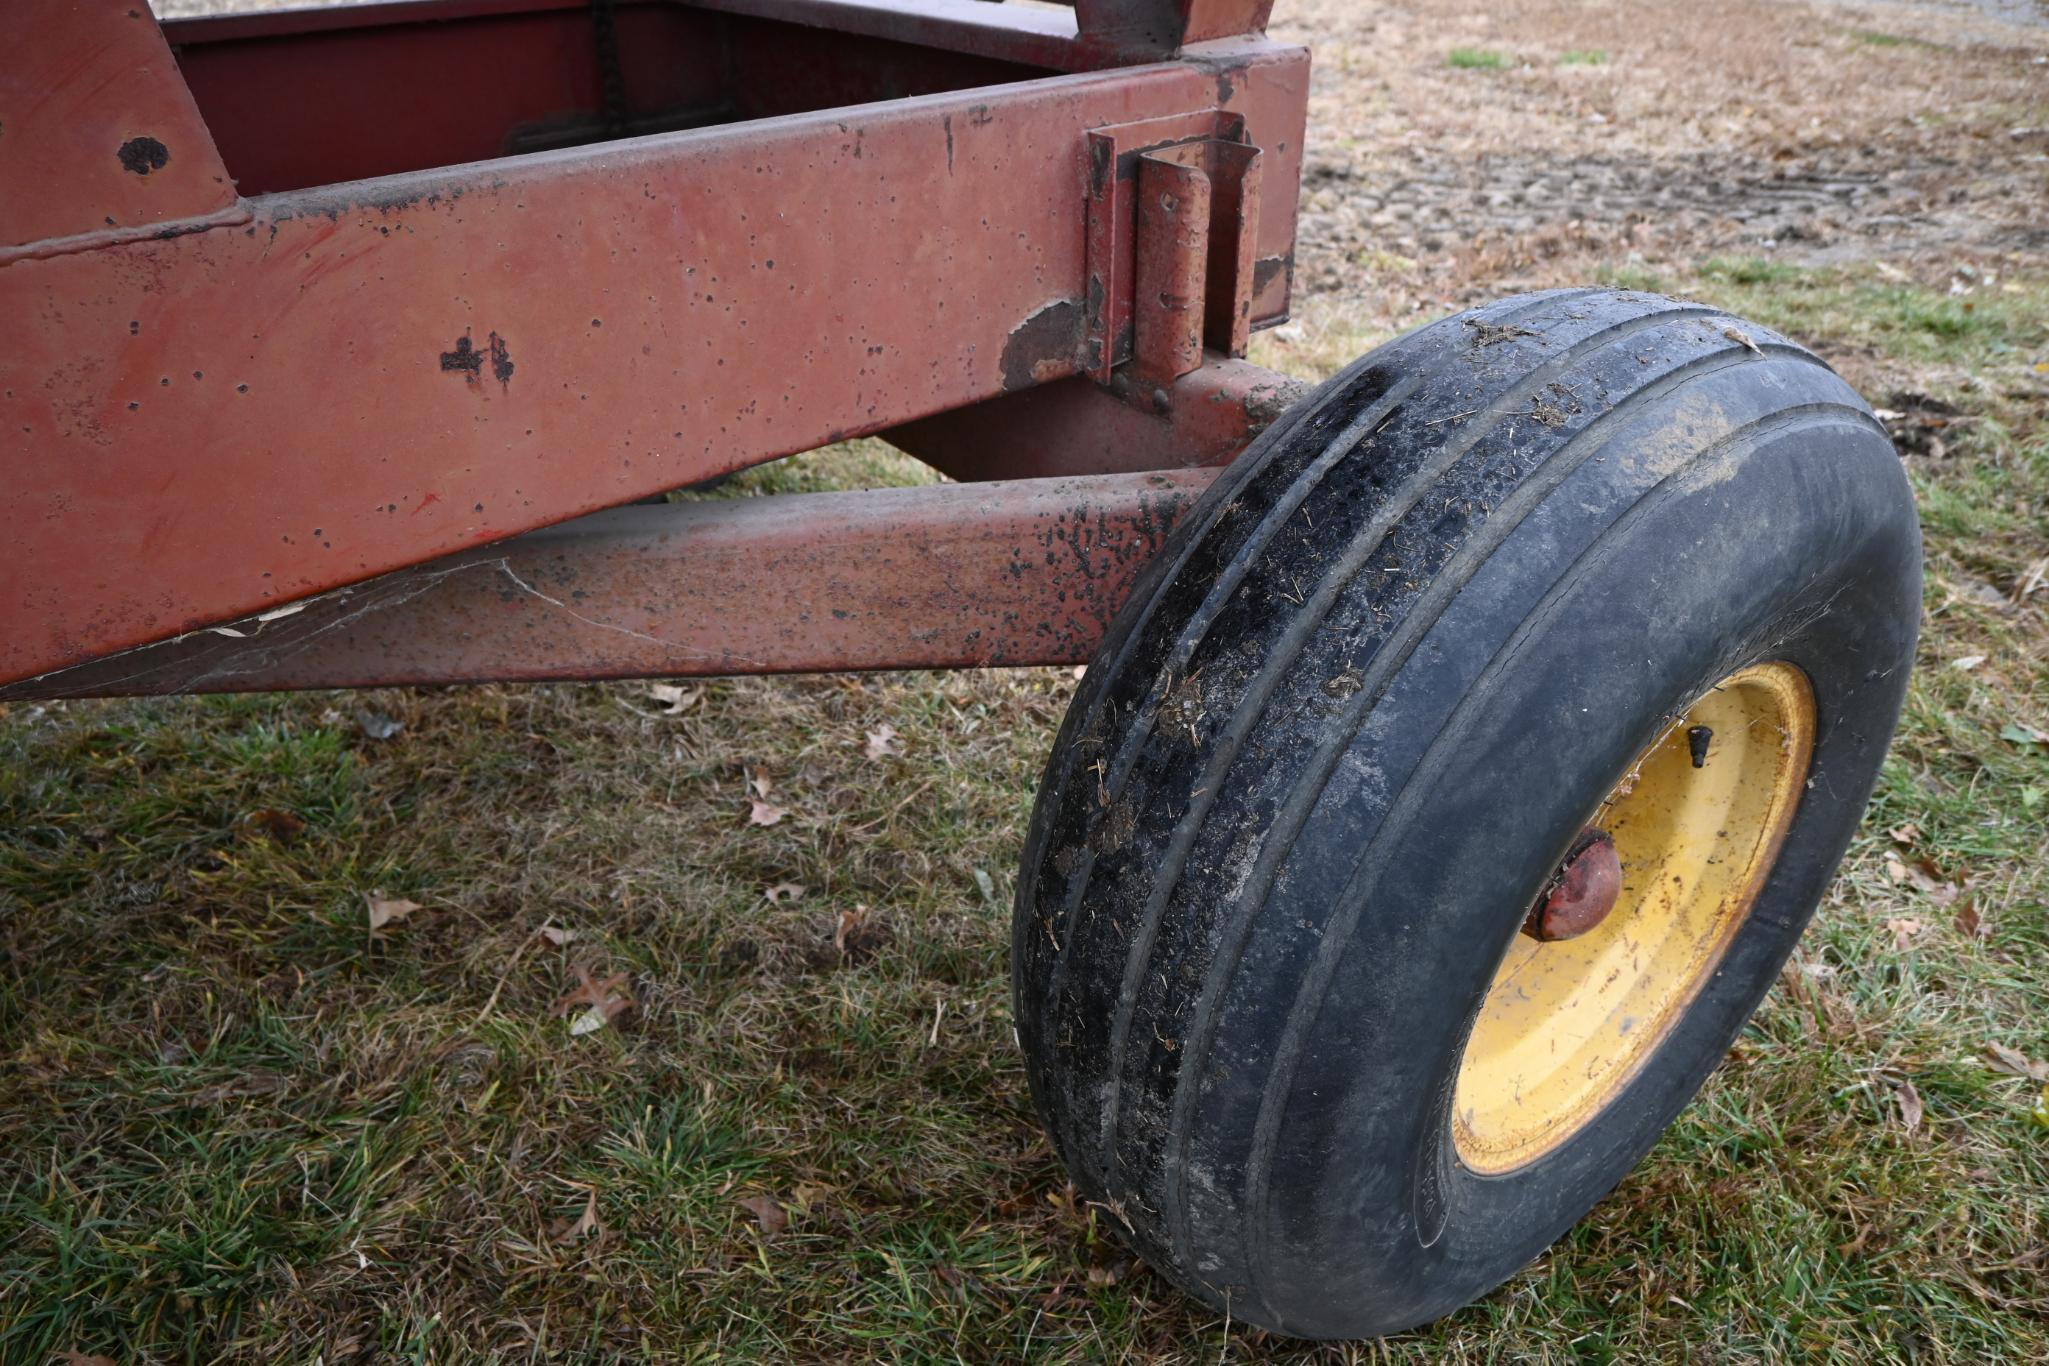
{"x":1449,"y":793}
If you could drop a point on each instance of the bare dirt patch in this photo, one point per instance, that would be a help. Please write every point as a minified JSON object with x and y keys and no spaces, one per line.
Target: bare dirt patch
{"x":1817,"y":134}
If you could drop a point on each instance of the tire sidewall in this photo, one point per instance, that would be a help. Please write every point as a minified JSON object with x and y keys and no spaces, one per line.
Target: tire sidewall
{"x":1377,"y":1221}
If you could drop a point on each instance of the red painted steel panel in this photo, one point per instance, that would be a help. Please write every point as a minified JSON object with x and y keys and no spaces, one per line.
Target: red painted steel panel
{"x":1015,"y":33}
{"x":1161,"y":26}
{"x":956,"y":575}
{"x":294,"y":106}
{"x":97,"y":132}
{"x":1094,"y":34}
{"x":312,"y":108}
{"x":1206,"y":19}
{"x":375,"y":374}
{"x":789,"y":68}
{"x":333,"y":16}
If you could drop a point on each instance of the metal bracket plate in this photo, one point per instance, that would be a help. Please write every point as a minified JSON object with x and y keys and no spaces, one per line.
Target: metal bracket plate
{"x":1164,"y":278}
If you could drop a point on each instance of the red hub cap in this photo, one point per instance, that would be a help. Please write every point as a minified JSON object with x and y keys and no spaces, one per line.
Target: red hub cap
{"x":1581,"y":893}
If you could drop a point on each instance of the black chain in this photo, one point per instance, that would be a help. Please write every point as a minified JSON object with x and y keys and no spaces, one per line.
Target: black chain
{"x":611,"y":79}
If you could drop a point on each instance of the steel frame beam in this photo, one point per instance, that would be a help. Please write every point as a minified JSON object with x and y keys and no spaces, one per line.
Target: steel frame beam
{"x":1204,"y":418}
{"x":221,"y":404}
{"x":948,"y":576}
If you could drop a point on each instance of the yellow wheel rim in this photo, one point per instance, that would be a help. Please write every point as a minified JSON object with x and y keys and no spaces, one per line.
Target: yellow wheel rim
{"x":1567,"y":1024}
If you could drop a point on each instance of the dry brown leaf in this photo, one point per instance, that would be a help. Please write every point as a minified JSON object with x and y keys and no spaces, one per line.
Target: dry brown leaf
{"x":1969,"y":923}
{"x":556,"y":935}
{"x":1911,"y":1108}
{"x":2015,"y":1063}
{"x":1733,"y":335}
{"x":769,"y":1212}
{"x":672,"y":699}
{"x":882,"y":742}
{"x":808,"y":1195}
{"x":82,"y":1359}
{"x":1895,"y":870}
{"x":282,"y":826}
{"x":761,"y":785}
{"x":605,"y":998}
{"x":1906,"y":834}
{"x":783,"y":891}
{"x":764,"y":813}
{"x":386,"y":910}
{"x":1926,"y":876}
{"x":1904,"y":929}
{"x":567,"y":1231}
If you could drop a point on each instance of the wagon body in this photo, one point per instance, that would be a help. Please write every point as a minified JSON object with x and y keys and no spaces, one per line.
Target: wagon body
{"x":302,"y":300}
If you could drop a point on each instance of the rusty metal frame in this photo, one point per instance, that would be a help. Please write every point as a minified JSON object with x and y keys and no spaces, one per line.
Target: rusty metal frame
{"x":954,"y":576}
{"x":228,"y":402}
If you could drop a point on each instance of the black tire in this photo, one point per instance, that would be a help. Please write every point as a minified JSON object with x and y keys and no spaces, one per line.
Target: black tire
{"x":1429,"y":619}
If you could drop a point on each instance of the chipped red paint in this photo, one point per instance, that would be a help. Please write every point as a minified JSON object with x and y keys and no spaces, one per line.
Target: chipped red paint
{"x":1242,"y":286}
{"x":99,"y":138}
{"x":945,"y":576}
{"x":1172,"y":266}
{"x":1582,"y":892}
{"x":263,"y":398}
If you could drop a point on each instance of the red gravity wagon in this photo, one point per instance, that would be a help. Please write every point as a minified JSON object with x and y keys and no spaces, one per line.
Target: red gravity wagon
{"x":1464,"y":743}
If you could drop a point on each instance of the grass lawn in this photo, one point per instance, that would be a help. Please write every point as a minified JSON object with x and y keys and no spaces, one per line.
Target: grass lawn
{"x":236,"y":1122}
